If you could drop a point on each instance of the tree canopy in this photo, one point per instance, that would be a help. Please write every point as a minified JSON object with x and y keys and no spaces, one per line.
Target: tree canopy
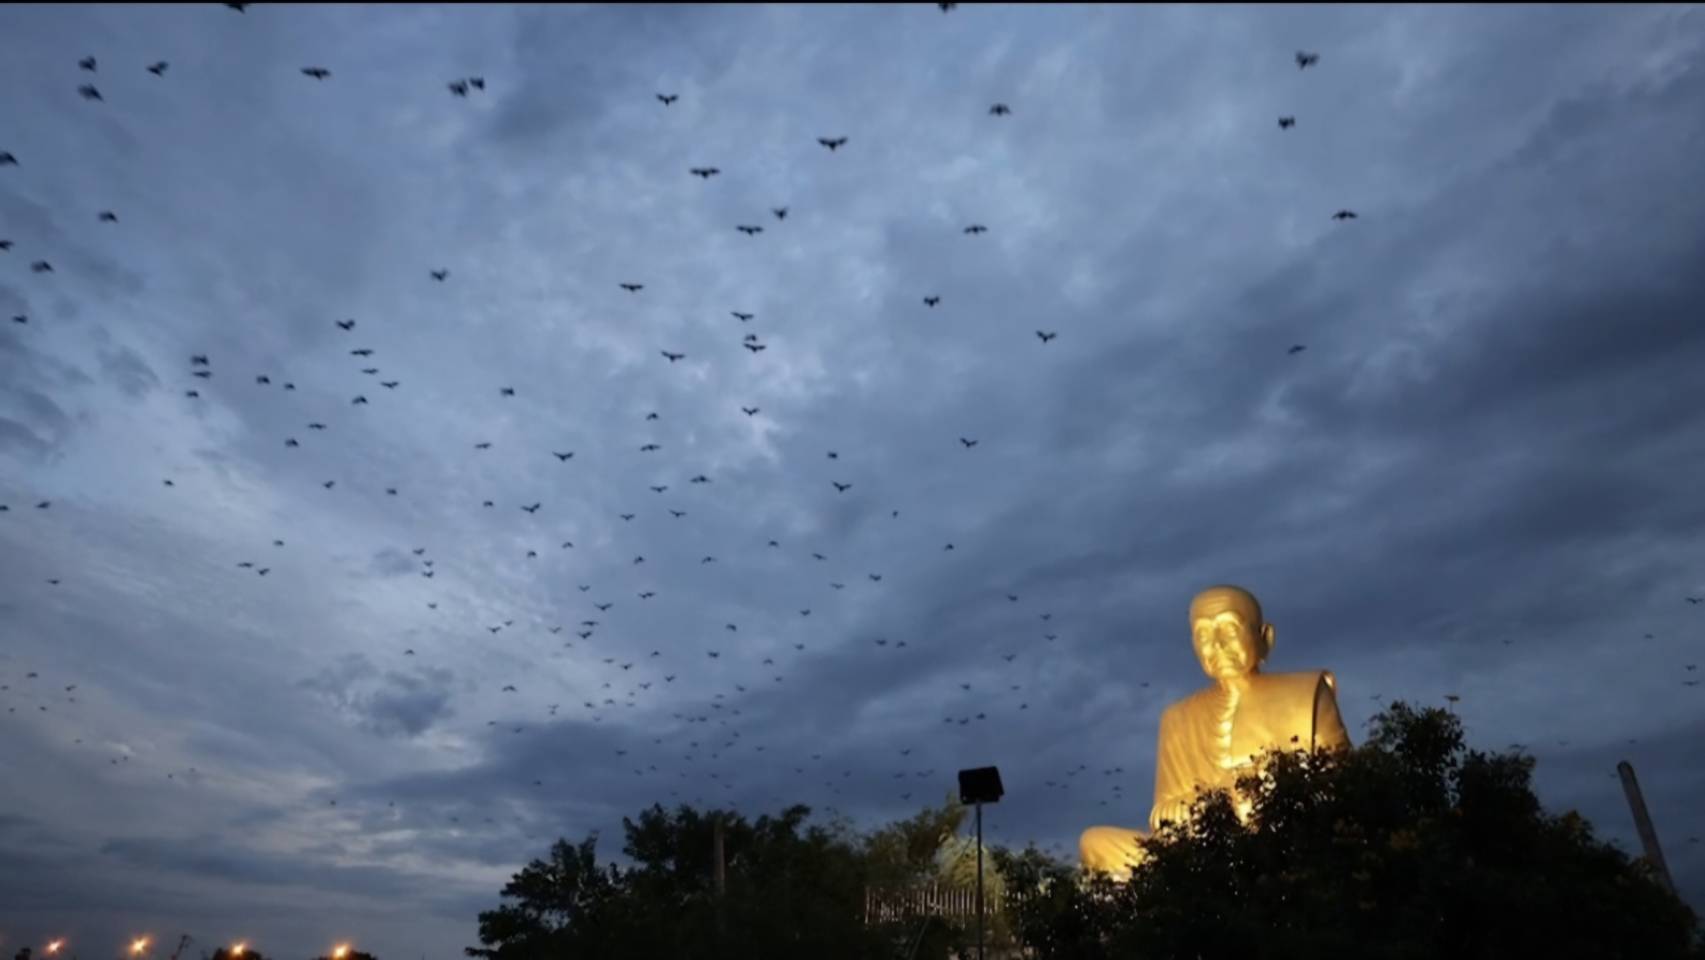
{"x":1409,"y":846}
{"x":792,"y":889}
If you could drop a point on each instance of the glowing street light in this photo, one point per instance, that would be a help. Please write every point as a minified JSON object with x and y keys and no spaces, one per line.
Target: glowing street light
{"x":138,"y":946}
{"x":340,"y":951}
{"x":54,"y":946}
{"x":239,"y":948}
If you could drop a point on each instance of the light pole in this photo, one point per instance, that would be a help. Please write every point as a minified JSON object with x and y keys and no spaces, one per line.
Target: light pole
{"x":978,"y":786}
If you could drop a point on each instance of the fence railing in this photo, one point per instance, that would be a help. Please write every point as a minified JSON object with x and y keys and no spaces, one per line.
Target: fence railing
{"x":892,"y":905}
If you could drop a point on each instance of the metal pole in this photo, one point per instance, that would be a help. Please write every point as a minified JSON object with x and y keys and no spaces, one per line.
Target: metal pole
{"x":979,"y":881}
{"x":721,"y":876}
{"x":1643,"y":823}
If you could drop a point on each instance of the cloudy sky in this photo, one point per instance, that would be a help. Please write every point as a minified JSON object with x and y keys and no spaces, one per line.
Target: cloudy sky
{"x":1480,"y":478}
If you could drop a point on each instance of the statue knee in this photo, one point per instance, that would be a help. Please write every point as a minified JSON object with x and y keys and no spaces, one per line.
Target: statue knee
{"x":1109,"y":848}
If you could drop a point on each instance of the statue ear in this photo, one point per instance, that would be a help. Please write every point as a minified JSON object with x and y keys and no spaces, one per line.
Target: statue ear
{"x":1267,"y":639}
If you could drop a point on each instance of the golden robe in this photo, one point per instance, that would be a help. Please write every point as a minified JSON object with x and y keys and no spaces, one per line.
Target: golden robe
{"x":1212,"y":737}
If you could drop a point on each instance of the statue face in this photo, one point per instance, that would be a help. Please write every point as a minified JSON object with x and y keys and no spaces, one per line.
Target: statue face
{"x":1227,"y":645}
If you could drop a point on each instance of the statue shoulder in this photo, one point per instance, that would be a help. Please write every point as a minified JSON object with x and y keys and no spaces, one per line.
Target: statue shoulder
{"x":1184,"y":706}
{"x":1301,"y":683}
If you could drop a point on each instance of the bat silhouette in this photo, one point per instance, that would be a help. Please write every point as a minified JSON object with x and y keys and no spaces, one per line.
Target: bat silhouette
{"x":672,"y":357}
{"x":1044,"y":336}
{"x":1306,"y":60}
{"x":1000,"y":110}
{"x":346,"y":324}
{"x":1285,"y":123}
{"x":668,"y":98}
{"x":749,"y":230}
{"x":705,"y":172}
{"x":833,"y":143}
{"x":318,"y":73}
{"x":633,"y":287}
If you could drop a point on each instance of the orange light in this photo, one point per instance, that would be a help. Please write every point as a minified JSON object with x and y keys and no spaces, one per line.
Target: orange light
{"x":238,"y":948}
{"x":340,"y":951}
{"x":138,"y":945}
{"x":54,"y":946}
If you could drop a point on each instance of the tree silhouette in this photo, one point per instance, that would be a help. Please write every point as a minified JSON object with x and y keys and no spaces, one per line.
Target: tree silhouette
{"x":792,"y":890}
{"x":1409,"y":846}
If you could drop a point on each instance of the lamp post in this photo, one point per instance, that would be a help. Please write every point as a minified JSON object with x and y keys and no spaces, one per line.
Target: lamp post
{"x":978,"y":786}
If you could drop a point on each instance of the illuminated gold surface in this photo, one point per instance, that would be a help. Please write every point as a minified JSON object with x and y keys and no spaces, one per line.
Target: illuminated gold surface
{"x":1210,"y":738}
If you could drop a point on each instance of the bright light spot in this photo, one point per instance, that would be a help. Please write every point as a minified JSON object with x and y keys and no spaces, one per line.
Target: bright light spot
{"x":238,"y":948}
{"x":340,"y":951}
{"x":55,"y":945}
{"x":138,"y":945}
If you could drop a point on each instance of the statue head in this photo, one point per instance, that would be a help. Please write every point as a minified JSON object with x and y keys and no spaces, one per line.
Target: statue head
{"x":1229,"y":634}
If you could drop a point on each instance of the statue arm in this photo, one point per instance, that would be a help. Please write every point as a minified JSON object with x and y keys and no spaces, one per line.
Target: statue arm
{"x":1173,"y":793}
{"x":1329,"y":731}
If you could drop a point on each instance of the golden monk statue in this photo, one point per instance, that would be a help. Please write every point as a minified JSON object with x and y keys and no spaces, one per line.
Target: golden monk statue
{"x":1214,"y":736}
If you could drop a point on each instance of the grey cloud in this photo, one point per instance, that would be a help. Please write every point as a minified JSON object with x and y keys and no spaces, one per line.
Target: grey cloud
{"x":126,"y":369}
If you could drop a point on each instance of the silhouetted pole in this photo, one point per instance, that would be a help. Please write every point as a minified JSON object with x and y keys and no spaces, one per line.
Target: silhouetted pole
{"x":721,"y":876}
{"x":1643,"y":823}
{"x":979,"y":881}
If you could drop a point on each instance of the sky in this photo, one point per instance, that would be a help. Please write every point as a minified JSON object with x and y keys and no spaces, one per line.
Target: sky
{"x":292,"y":648}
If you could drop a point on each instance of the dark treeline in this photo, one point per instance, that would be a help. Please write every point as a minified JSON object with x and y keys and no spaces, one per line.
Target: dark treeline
{"x":1408,"y":846}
